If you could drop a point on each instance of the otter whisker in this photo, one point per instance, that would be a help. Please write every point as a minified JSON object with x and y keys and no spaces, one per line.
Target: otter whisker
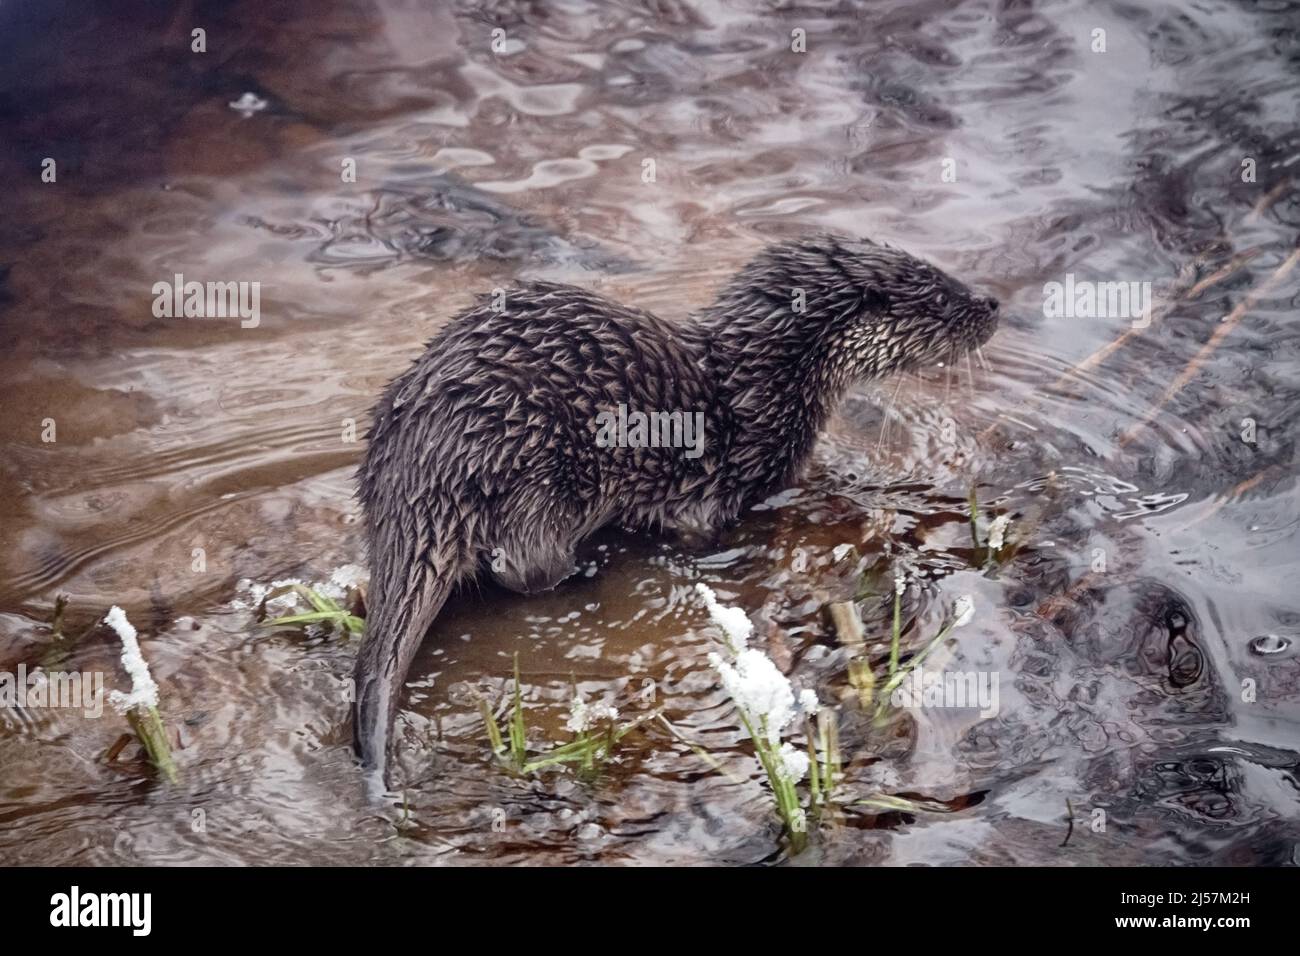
{"x":979,"y":354}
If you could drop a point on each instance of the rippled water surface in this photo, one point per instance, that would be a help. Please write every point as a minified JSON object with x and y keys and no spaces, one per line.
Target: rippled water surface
{"x":1142,"y":629}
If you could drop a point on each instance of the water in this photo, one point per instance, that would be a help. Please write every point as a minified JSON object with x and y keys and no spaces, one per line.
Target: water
{"x":1142,"y":632}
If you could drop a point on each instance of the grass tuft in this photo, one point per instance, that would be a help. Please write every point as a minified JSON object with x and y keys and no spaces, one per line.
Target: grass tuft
{"x":325,"y":610}
{"x":590,"y":748}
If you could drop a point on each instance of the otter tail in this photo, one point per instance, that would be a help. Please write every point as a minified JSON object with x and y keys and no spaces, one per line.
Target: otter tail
{"x":400,"y":612}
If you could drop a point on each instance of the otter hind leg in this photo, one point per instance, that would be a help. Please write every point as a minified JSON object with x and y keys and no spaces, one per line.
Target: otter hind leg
{"x":700,"y":526}
{"x":699,"y":537}
{"x":537,"y":529}
{"x":534,"y":572}
{"x":535,"y":552}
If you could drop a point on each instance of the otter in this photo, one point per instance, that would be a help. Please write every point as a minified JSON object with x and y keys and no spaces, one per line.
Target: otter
{"x":483,"y":457}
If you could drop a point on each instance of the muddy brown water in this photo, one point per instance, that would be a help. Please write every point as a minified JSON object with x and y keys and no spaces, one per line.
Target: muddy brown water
{"x":1151,"y":563}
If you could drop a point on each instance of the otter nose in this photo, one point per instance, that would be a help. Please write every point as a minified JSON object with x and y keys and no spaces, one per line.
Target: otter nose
{"x":991,"y":303}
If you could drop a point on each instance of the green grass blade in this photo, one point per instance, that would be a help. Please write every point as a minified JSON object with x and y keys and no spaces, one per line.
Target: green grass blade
{"x":493,"y":729}
{"x":518,"y":734}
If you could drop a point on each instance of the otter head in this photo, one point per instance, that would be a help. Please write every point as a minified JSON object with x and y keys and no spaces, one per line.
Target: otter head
{"x":912,"y":314}
{"x":862,"y":310}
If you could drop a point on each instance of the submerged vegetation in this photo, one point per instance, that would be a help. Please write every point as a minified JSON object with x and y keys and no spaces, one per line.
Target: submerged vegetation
{"x":324,"y":611}
{"x":805,"y":777}
{"x":995,"y":541}
{"x":794,"y":735}
{"x":766,"y":704}
{"x":961,"y":613}
{"x":140,"y":706}
{"x":595,"y":728}
{"x":336,"y":605}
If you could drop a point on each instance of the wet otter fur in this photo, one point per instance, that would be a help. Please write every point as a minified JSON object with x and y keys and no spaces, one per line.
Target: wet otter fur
{"x":483,"y":456}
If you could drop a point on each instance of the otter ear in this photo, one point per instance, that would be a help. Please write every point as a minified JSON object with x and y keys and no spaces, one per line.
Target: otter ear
{"x":876,"y":301}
